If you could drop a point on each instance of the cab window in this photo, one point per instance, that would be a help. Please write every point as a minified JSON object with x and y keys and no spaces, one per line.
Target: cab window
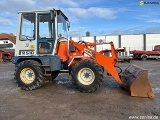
{"x":28,"y":26}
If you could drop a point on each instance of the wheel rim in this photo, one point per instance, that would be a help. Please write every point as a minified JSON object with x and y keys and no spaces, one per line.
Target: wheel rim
{"x":27,"y":75}
{"x":86,"y":76}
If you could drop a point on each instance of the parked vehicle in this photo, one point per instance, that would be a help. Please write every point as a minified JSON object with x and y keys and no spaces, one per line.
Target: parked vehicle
{"x":144,"y":55}
{"x":127,"y":59}
{"x":6,"y":56}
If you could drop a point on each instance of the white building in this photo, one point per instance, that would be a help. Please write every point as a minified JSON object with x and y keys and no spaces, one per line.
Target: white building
{"x":131,"y":42}
{"x":7,"y":41}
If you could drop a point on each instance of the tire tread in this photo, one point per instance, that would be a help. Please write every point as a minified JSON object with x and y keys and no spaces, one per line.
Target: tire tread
{"x":98,"y":77}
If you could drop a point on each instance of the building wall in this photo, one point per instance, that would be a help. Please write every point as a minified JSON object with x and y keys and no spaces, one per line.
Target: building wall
{"x":101,"y":40}
{"x":88,"y":39}
{"x":114,"y":39}
{"x":131,"y":42}
{"x":152,"y":40}
{"x":7,"y":42}
{"x":76,"y":39}
{"x":3,"y":41}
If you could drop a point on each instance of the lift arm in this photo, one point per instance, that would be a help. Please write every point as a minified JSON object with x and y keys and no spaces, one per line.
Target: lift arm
{"x":107,"y":62}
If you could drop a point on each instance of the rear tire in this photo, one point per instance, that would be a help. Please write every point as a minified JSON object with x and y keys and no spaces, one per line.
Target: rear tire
{"x":3,"y":58}
{"x":87,"y":76}
{"x":29,"y":75}
{"x":144,"y":57}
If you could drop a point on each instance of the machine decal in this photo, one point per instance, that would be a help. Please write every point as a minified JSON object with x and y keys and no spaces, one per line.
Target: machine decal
{"x":31,"y":47}
{"x":89,"y":53}
{"x":27,"y":45}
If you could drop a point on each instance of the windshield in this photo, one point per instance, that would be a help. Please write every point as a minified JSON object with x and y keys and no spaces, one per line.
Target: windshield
{"x":28,"y":26}
{"x":62,"y":27}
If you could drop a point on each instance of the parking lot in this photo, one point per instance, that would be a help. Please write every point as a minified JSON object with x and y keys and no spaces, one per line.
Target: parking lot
{"x":59,"y":100}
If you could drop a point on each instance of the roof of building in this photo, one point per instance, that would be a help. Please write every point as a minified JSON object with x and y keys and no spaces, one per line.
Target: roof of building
{"x":11,"y":37}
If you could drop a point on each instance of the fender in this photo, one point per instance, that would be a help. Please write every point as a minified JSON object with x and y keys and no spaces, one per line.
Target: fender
{"x":51,"y":63}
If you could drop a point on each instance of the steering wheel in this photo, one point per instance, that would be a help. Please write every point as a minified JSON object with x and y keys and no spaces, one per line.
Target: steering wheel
{"x":24,"y":37}
{"x":82,"y":42}
{"x":86,"y":43}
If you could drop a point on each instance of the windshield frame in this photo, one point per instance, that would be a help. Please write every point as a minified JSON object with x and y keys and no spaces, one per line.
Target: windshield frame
{"x":62,"y":25}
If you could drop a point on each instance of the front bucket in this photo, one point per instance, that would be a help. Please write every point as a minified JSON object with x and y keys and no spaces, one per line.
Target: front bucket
{"x":135,"y":80}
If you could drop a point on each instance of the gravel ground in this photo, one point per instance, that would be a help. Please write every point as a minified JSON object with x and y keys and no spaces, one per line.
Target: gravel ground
{"x":59,"y":100}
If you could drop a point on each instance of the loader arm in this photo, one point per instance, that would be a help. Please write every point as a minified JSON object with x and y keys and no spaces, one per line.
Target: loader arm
{"x":133,"y":79}
{"x":107,"y":62}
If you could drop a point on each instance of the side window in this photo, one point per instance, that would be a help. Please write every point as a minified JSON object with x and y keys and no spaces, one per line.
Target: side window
{"x":62,"y":28}
{"x":28,"y":26}
{"x":5,"y":42}
{"x":45,"y":26}
{"x":43,"y":30}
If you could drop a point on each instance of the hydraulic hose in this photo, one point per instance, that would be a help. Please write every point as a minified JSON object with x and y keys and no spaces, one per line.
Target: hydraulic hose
{"x":119,"y":69}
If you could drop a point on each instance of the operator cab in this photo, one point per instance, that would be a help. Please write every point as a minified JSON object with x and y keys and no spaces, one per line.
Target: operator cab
{"x":38,"y":32}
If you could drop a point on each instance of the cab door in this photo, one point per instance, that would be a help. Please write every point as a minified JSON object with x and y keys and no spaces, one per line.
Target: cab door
{"x":46,"y":34}
{"x":25,"y":39}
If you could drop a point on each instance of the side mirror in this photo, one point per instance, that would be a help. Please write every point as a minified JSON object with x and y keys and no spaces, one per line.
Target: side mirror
{"x":53,"y":14}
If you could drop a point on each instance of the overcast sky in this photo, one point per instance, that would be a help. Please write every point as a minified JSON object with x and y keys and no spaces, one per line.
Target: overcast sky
{"x":99,"y":17}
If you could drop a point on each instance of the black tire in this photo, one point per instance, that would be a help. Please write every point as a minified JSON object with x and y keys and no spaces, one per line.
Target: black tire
{"x":102,"y":68}
{"x":94,"y":69}
{"x":34,"y":70}
{"x":144,"y":57}
{"x":15,"y":73}
{"x":3,"y":58}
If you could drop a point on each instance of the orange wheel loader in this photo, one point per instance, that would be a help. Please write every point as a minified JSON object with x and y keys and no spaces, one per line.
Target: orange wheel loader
{"x":43,"y":51}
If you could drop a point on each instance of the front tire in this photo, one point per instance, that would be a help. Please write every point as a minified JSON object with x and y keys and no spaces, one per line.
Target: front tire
{"x":29,"y":75}
{"x":87,"y":76}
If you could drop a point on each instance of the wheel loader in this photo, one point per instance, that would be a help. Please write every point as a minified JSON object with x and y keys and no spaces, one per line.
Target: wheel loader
{"x":43,"y":51}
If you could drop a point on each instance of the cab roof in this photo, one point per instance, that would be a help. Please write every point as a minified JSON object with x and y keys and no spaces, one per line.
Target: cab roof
{"x":45,"y":11}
